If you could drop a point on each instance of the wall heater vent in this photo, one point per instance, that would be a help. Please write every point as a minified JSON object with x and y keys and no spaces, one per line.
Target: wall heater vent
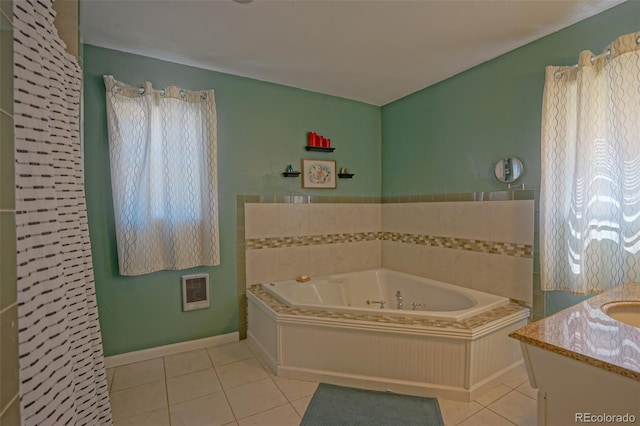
{"x":195,"y":292}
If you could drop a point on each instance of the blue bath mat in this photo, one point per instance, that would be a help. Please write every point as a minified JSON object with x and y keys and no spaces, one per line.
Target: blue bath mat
{"x":336,"y":405}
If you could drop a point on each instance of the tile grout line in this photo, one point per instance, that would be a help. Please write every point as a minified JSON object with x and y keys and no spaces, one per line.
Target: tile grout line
{"x":287,"y":398}
{"x":7,"y":113}
{"x":268,"y":409}
{"x":9,"y":20}
{"x":275,"y":383}
{"x":501,"y":416}
{"x":469,"y":416}
{"x":522,"y":393}
{"x":281,"y":391}
{"x":6,"y":407}
{"x":166,"y":389}
{"x":270,"y":378}
{"x":8,"y":308}
{"x":222,"y":388}
{"x":133,"y":387}
{"x":224,"y":391}
{"x":503,"y":396}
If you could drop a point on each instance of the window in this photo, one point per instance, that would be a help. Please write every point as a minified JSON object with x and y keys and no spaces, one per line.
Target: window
{"x":590,"y":189}
{"x":162,"y":146}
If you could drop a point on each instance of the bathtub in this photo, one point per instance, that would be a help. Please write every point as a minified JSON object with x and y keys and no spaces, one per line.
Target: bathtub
{"x":454,"y":345}
{"x":363,"y":292}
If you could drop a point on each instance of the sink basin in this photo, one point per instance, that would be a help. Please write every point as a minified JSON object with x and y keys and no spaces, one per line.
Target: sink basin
{"x":626,"y":311}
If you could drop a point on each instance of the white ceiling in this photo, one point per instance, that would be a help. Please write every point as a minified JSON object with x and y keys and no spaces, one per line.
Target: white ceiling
{"x":370,"y":51}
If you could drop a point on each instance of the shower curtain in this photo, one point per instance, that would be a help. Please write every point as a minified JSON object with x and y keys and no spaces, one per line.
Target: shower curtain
{"x":590,"y":186}
{"x":62,"y":375}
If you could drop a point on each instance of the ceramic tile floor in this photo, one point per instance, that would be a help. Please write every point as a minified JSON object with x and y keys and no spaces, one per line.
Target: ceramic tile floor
{"x":228,"y":385}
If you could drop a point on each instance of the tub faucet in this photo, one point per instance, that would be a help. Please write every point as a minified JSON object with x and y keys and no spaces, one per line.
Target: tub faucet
{"x":416,"y":304}
{"x":399,"y":300}
{"x":381,"y":302}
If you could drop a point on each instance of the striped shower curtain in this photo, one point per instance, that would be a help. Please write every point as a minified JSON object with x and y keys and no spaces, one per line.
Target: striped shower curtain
{"x":62,"y":375}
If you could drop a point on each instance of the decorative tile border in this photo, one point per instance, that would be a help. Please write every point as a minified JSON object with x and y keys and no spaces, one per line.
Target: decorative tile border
{"x":310,"y":240}
{"x":467,"y":324}
{"x":490,"y":247}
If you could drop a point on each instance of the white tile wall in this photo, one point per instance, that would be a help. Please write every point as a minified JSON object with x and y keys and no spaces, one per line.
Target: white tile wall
{"x":287,"y":220}
{"x":497,"y":221}
{"x":292,"y":262}
{"x":322,"y":219}
{"x":472,"y":220}
{"x":322,"y":260}
{"x":511,"y":277}
{"x":471,"y":269}
{"x":503,"y":221}
{"x":261,"y":220}
{"x":440,"y":263}
{"x":436,"y":218}
{"x":262,"y":266}
{"x":357,"y":256}
{"x":293,"y":219}
{"x":512,"y":221}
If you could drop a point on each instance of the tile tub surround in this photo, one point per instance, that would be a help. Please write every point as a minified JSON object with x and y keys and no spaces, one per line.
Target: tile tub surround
{"x":487,"y":246}
{"x":284,"y":240}
{"x":282,"y":236}
{"x":586,"y":334}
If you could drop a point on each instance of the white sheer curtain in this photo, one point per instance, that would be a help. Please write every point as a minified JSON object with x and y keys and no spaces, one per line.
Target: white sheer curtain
{"x":590,"y":194}
{"x":162,"y":146}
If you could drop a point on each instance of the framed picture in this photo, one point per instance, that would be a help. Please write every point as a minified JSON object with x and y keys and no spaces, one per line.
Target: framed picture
{"x":318,"y":174}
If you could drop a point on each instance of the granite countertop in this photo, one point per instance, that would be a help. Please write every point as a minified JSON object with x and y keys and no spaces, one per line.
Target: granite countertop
{"x":585,"y":333}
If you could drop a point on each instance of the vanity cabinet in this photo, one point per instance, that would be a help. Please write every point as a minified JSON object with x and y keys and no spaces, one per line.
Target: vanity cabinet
{"x":573,"y":392}
{"x":584,"y":363}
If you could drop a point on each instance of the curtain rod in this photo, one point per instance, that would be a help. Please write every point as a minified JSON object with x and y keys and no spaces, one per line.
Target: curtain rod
{"x":141,"y":91}
{"x":605,"y":54}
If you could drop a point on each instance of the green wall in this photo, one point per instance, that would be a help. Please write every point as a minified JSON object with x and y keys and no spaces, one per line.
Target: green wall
{"x":261,"y":129}
{"x":442,"y":139}
{"x":448,"y":137}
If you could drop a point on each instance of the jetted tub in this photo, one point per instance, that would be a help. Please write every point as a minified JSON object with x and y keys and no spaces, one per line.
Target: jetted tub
{"x":455,"y":344}
{"x":362,"y":292}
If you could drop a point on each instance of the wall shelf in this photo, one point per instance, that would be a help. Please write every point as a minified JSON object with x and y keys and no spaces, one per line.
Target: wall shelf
{"x":319,"y":148}
{"x":345,"y":175}
{"x":291,"y":174}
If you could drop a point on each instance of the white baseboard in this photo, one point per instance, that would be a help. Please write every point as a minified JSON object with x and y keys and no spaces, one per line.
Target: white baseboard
{"x":176,"y":348}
